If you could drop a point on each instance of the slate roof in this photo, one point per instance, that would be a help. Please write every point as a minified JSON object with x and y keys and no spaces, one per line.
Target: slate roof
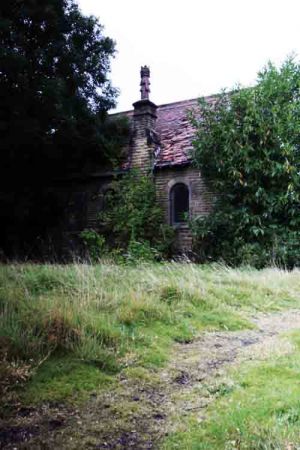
{"x":174,"y":131}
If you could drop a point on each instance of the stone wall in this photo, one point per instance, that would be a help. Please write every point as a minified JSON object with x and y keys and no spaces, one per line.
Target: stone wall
{"x":96,"y":193}
{"x":201,"y":198}
{"x":142,"y":143}
{"x":83,"y":201}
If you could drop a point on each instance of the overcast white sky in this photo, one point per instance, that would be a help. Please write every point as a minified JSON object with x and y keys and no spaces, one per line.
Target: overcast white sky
{"x":194,"y":47}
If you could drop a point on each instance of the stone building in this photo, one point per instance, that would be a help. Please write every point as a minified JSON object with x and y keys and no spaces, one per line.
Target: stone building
{"x":160,"y":142}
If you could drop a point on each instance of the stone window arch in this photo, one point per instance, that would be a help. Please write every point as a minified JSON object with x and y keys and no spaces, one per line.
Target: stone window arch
{"x":179,"y":203}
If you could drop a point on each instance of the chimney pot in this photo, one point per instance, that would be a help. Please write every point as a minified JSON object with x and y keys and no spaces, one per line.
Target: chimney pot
{"x":145,"y":82}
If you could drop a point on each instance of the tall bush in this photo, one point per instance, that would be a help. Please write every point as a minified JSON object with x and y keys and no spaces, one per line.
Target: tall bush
{"x":248,"y":146}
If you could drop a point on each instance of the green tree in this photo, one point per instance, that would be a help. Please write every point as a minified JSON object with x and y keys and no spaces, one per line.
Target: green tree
{"x":247,"y":145}
{"x":55,"y":93}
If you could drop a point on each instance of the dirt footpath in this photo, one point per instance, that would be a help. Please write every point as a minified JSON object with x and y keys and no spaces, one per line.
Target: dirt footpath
{"x":142,"y":410}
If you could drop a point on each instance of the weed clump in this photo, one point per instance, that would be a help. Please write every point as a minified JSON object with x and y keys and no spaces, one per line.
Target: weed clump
{"x":170,"y":294}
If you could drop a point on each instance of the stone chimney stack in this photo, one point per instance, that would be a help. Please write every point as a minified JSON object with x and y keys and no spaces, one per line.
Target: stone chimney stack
{"x":144,"y":120}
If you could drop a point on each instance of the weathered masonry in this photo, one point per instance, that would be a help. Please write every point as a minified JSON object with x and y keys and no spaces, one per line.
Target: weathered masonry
{"x":161,"y":140}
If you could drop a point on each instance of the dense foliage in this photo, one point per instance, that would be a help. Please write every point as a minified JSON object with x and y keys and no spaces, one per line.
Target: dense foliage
{"x":133,"y":221}
{"x":55,"y":92}
{"x":248,"y":147}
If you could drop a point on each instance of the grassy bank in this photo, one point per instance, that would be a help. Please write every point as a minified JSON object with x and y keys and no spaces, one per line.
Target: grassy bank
{"x":60,"y":325}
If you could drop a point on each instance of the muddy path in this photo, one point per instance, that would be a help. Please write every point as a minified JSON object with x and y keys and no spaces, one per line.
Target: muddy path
{"x":144,"y":408}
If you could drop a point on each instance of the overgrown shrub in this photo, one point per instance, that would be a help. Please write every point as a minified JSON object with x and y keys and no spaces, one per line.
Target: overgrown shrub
{"x":94,"y":243}
{"x":141,"y":251}
{"x":247,"y":146}
{"x":133,"y":221}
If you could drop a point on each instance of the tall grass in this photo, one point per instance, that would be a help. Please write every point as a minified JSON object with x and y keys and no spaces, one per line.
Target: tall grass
{"x":113,"y":316}
{"x":85,"y":309}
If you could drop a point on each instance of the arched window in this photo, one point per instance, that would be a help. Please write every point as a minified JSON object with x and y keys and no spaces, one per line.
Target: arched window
{"x":179,"y":202}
